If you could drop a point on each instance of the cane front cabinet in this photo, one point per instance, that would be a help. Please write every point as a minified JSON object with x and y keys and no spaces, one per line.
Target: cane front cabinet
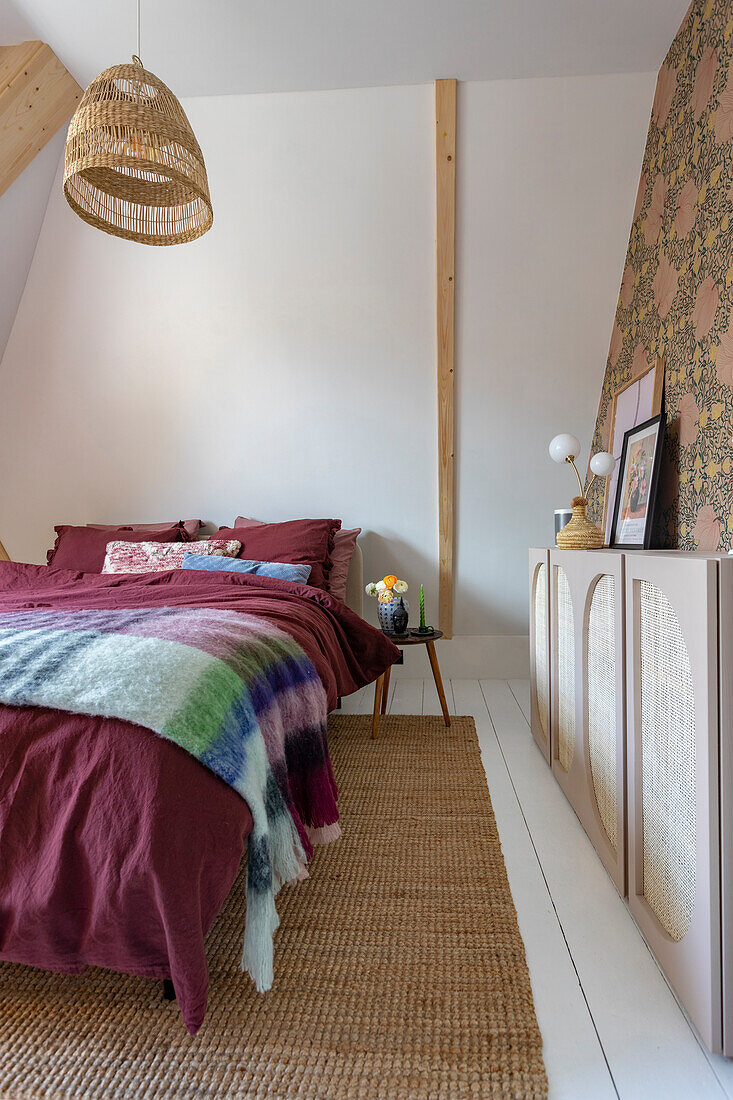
{"x":641,"y":742}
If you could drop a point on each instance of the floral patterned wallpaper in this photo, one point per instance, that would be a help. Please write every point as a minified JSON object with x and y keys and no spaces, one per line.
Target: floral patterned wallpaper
{"x":676,"y":297}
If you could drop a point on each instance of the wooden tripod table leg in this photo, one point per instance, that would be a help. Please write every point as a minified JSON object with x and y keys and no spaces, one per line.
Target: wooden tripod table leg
{"x":438,"y":682}
{"x":378,"y":689}
{"x":385,"y":690}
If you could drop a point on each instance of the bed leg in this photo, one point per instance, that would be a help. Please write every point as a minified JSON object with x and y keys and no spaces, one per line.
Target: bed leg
{"x":169,"y":993}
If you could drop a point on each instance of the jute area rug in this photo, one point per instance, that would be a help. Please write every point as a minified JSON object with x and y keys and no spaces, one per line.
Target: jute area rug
{"x":400,"y":971}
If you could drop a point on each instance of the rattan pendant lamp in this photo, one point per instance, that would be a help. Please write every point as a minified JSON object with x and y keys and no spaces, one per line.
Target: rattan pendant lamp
{"x":133,"y":166}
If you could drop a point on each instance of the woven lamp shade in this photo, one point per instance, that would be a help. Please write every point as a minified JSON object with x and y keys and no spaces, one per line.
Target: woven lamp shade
{"x":133,"y":166}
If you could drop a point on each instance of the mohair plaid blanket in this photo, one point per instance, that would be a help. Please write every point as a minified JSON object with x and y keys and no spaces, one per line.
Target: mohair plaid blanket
{"x":229,"y":688}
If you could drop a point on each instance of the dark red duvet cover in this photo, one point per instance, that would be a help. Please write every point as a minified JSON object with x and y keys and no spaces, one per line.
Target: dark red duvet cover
{"x":117,"y":848}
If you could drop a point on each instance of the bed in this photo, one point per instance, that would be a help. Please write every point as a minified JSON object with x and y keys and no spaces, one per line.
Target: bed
{"x":117,"y":847}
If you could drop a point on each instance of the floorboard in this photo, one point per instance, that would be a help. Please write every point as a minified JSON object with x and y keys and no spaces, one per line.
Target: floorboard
{"x":520,"y":691}
{"x":407,"y":697}
{"x":431,"y":702}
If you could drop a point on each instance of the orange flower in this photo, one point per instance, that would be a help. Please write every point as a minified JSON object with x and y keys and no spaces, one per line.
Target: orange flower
{"x":655,"y":213}
{"x":705,"y":308}
{"x":686,"y":209}
{"x":688,"y":414}
{"x":707,"y":529}
{"x":664,"y":94}
{"x":390,"y":580}
{"x":664,"y":286}
{"x":704,"y":80}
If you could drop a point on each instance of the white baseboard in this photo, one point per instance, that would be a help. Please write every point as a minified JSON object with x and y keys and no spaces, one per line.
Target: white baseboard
{"x":470,"y":657}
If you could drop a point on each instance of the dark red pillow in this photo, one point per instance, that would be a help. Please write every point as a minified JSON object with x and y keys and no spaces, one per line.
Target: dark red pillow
{"x":297,"y":542}
{"x":191,"y":527}
{"x":84,"y":548}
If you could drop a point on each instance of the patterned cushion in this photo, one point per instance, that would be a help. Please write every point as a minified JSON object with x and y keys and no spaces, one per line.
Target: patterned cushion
{"x":156,"y":557}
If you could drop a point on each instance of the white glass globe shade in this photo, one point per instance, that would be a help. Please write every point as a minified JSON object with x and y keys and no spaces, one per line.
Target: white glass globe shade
{"x":602,"y":464}
{"x":562,"y":446}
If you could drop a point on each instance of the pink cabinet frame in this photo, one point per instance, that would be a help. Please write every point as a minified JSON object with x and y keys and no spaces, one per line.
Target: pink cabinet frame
{"x":539,"y":646}
{"x":692,"y":960}
{"x":725,"y":665}
{"x":583,"y":572}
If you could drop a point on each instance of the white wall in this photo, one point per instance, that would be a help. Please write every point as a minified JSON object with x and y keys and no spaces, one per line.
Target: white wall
{"x":547,"y":171}
{"x":284,"y":364}
{"x":22,"y":208}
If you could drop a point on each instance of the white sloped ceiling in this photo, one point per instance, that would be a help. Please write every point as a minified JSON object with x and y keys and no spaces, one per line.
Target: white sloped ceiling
{"x":22,"y":208}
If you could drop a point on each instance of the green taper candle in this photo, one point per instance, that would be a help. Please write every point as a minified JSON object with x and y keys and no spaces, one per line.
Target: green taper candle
{"x":422,"y":608}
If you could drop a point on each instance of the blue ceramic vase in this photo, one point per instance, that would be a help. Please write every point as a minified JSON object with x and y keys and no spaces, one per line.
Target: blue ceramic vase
{"x":394,"y":616}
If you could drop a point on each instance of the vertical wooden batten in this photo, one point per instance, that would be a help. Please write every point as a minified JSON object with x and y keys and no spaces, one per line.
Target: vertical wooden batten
{"x":37,"y":96}
{"x":445,"y":192}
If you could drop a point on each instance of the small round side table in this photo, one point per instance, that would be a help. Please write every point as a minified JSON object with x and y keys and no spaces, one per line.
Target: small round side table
{"x":381,"y":684}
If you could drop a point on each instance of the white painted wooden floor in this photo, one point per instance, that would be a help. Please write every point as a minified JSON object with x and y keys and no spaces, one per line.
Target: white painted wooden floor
{"x":610,"y":1024}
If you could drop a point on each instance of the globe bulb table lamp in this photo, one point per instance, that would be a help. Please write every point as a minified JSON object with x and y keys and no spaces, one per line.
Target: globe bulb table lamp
{"x":580,"y":533}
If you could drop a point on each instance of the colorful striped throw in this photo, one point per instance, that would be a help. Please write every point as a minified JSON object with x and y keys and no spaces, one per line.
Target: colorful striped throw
{"x":229,"y":688}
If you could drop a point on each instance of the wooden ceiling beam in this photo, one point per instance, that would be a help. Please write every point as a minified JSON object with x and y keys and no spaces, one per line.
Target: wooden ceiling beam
{"x":37,"y":96}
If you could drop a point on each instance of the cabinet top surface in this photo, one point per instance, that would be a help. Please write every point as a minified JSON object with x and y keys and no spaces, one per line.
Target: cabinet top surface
{"x":698,"y":555}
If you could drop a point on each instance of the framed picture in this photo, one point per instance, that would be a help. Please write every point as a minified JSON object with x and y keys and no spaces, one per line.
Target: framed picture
{"x":632,"y":404}
{"x":633,"y":511}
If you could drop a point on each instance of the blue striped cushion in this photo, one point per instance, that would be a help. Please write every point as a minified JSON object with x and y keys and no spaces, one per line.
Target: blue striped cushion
{"x":281,"y":570}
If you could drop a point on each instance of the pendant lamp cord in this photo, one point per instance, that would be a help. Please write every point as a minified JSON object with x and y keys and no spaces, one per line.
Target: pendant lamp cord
{"x":138,"y":28}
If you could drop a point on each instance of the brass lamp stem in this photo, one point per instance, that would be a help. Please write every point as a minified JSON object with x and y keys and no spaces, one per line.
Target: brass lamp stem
{"x":571,"y":460}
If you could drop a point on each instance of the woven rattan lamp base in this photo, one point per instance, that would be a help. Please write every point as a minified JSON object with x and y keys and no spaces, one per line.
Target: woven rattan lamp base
{"x":579,"y":533}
